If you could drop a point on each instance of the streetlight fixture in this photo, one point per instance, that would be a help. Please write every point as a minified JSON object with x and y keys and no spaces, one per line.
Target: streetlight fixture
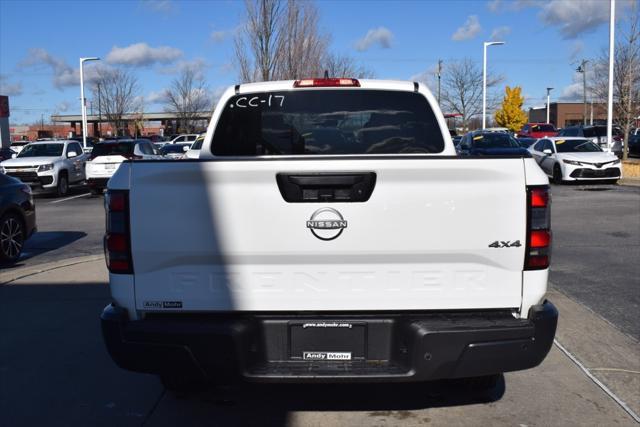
{"x":484,"y":82}
{"x":83,"y":101}
{"x":612,"y":34}
{"x":549,"y":89}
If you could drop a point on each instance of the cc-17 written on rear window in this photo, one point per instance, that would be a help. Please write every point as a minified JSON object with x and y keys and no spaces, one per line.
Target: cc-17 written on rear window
{"x":327,"y":122}
{"x":268,"y":100}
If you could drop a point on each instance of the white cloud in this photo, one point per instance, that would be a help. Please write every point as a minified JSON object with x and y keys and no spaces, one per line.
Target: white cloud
{"x":156,"y":97}
{"x":574,"y":91}
{"x":141,"y":54}
{"x":218,"y":36}
{"x":197,"y":65}
{"x":494,"y":5}
{"x":575,"y":17}
{"x":380,"y":36}
{"x":161,"y":6}
{"x":62,"y":107}
{"x":429,"y":77}
{"x":469,"y":30}
{"x":500,"y":33}
{"x":226,"y":67}
{"x":9,"y":89}
{"x":576,"y":50}
{"x":64,"y":75}
{"x":572,"y":17}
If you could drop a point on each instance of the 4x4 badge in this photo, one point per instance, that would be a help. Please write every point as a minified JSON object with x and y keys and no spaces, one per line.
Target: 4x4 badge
{"x":326,"y":224}
{"x":505,"y":244}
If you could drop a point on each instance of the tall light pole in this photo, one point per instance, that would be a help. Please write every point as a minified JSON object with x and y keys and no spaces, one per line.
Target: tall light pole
{"x":612,"y":27}
{"x":549,"y":89}
{"x":439,"y":76}
{"x":582,"y":68}
{"x":83,"y":101}
{"x":484,"y":82}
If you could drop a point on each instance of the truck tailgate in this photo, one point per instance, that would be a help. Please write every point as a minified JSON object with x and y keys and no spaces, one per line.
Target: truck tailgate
{"x":219,"y":236}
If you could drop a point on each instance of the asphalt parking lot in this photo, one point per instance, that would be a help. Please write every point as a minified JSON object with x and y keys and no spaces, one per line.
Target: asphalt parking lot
{"x":54,"y":369}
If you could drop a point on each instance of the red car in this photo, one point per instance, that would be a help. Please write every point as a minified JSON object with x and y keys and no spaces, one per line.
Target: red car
{"x":537,"y":130}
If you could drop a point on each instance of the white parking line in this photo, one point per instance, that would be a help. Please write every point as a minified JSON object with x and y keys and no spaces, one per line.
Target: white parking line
{"x":69,"y":198}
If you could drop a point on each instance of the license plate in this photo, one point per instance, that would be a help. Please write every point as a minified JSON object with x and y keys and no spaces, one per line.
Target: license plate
{"x":109,"y":167}
{"x":327,"y":340}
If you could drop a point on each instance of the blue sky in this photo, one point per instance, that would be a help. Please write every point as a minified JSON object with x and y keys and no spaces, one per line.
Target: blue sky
{"x":41,"y":41}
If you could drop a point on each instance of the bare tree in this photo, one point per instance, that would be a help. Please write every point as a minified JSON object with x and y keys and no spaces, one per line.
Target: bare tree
{"x":462,"y":90}
{"x":118,"y":91}
{"x":188,"y":97}
{"x":258,"y":43}
{"x":344,"y":66}
{"x":281,"y":40}
{"x":301,"y":46}
{"x":626,"y":80}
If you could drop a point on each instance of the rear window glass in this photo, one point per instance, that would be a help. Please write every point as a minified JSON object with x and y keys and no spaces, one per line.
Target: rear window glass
{"x":495,"y":140}
{"x":173,"y":148}
{"x":312,"y":122}
{"x":112,"y":149}
{"x":542,"y":128}
{"x":576,"y":145}
{"x":42,"y":150}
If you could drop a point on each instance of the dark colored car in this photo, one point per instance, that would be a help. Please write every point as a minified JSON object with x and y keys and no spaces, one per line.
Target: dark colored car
{"x":634,"y":143}
{"x":155,"y":138}
{"x":6,"y":153}
{"x":526,"y":142}
{"x":537,"y":130}
{"x":597,"y":134}
{"x":17,"y":217}
{"x":485,"y":143}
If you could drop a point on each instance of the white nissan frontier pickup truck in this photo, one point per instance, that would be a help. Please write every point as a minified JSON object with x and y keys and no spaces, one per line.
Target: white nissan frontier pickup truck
{"x":328,"y":233}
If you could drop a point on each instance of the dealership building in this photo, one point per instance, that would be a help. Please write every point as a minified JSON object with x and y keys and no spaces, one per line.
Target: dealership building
{"x":563,"y":114}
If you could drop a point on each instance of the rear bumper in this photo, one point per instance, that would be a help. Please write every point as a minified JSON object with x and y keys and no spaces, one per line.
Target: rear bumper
{"x":97,"y":183}
{"x":388,"y":348}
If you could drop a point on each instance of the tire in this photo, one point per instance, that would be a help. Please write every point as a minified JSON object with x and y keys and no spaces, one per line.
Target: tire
{"x":557,"y":175}
{"x":63,"y":184}
{"x":96,"y":191}
{"x":12,"y":236}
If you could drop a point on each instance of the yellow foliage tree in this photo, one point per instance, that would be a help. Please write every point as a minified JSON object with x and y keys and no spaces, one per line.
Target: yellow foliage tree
{"x":510,"y":114}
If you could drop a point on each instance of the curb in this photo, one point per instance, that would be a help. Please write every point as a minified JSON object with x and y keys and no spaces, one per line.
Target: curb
{"x":19,"y":273}
{"x":630,"y":182}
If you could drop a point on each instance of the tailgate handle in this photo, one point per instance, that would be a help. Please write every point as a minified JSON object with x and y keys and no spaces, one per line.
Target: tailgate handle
{"x":326,"y":187}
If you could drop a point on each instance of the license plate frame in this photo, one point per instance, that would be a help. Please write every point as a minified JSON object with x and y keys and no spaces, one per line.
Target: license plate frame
{"x":328,"y":340}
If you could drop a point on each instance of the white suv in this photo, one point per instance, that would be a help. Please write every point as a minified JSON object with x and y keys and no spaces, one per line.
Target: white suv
{"x":50,"y":165}
{"x":107,"y":156}
{"x":184,"y":138}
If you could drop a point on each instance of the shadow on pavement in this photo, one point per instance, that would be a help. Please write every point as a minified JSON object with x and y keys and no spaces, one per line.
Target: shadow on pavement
{"x":55,"y":370}
{"x":271,"y":405}
{"x":45,"y":241}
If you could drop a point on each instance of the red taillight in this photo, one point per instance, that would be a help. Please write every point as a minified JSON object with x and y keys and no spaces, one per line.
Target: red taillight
{"x":539,"y":238}
{"x":116,"y":202}
{"x":539,"y":197}
{"x":341,"y":82}
{"x":117,"y":239}
{"x":538,"y":249}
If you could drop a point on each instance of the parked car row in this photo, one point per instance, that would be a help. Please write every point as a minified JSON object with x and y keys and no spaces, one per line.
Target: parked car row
{"x":562,"y":158}
{"x":54,"y":165}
